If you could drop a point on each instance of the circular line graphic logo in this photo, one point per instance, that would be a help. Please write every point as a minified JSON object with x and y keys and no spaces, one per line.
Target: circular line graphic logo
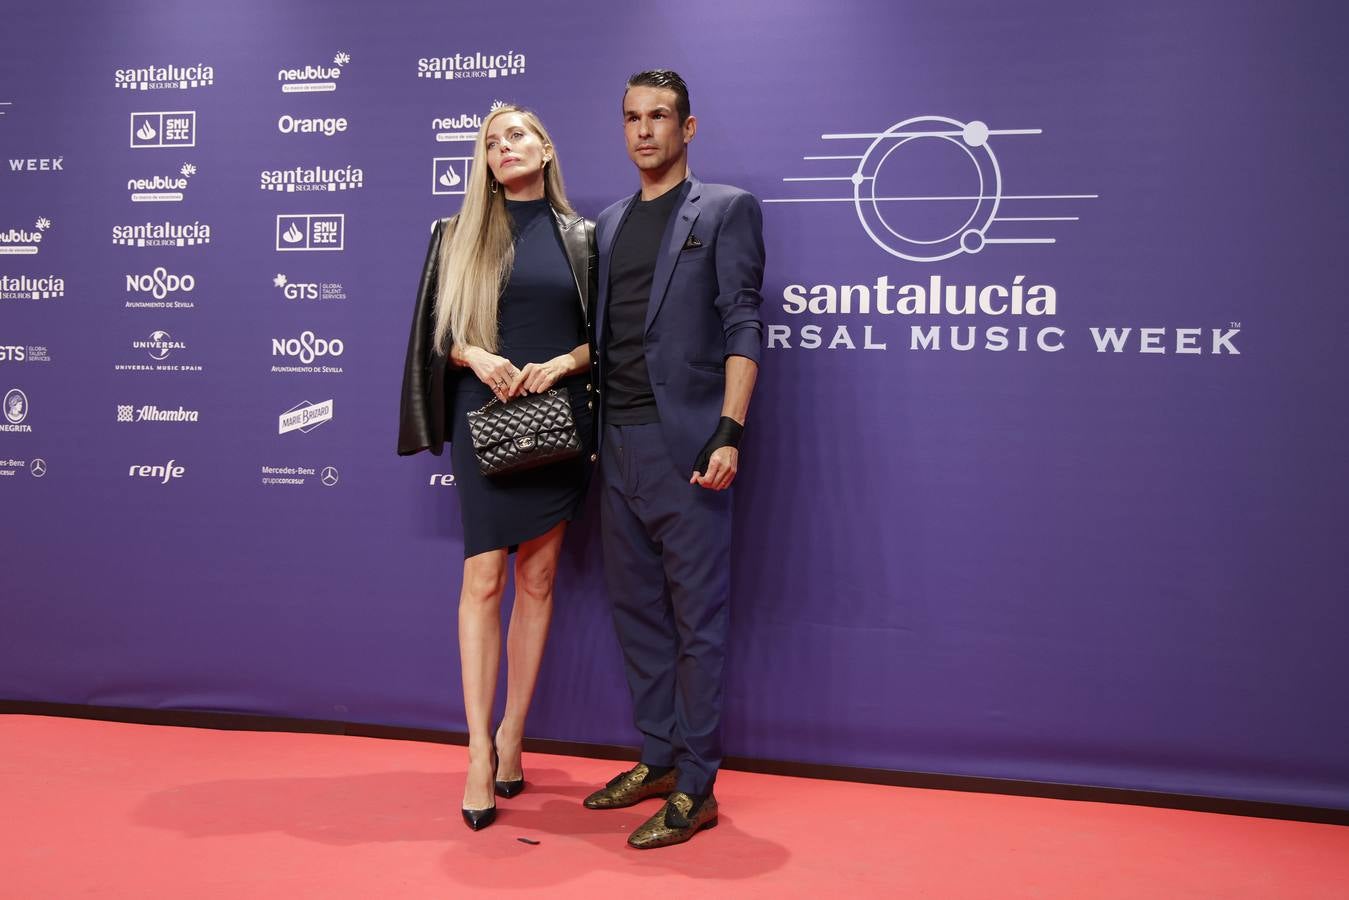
{"x":38,"y":467}
{"x":328,"y":476}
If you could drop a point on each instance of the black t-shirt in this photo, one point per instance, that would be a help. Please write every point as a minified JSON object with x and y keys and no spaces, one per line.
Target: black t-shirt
{"x":632,"y":263}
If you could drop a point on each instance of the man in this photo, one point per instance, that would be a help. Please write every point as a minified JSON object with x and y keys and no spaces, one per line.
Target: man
{"x":678,"y":328}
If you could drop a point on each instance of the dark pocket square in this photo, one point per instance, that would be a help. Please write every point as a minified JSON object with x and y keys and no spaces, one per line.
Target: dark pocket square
{"x":692,"y":243}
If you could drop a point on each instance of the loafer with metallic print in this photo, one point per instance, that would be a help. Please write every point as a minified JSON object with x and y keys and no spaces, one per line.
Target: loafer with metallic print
{"x":632,"y":786}
{"x":678,"y":820}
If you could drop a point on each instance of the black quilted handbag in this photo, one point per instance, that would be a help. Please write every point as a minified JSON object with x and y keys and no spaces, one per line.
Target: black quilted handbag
{"x":525,"y":433}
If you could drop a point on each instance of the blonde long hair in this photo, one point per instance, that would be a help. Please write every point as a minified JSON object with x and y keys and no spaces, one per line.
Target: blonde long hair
{"x":477,"y":255}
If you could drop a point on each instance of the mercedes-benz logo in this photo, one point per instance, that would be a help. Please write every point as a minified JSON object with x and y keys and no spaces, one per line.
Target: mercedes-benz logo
{"x":328,"y":476}
{"x":38,"y":467}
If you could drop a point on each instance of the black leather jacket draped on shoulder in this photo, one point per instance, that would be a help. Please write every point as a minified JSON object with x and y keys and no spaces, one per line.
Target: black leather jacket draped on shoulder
{"x":424,"y":408}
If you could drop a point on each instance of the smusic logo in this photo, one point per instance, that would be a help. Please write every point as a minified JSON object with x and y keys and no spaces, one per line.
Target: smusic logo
{"x":472,"y":65}
{"x":161,"y":188}
{"x":310,"y":231}
{"x":162,"y":234}
{"x":158,"y":78}
{"x":304,"y":417}
{"x":21,"y":241}
{"x":313,"y":79}
{"x":312,"y":178}
{"x":153,"y":130}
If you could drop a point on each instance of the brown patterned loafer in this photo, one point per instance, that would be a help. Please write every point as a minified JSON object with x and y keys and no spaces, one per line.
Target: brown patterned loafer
{"x":678,"y":820}
{"x":630,"y":787}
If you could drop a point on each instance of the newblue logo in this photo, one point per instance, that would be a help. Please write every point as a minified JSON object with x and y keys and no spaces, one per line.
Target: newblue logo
{"x":310,"y":231}
{"x":472,"y":65}
{"x":158,"y":78}
{"x":21,"y":241}
{"x":161,"y":188}
{"x":156,"y":130}
{"x":463,"y":127}
{"x":313,"y":79}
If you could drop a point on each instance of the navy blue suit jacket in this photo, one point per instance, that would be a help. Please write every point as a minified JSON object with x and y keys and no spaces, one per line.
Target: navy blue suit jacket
{"x":705,"y":297}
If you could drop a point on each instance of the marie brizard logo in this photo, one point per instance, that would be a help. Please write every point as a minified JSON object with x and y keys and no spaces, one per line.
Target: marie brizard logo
{"x":930,"y":188}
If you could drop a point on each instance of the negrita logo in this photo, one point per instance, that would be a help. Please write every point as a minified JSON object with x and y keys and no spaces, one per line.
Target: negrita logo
{"x":16,"y":410}
{"x":157,"y":130}
{"x":311,"y":78}
{"x":21,"y":241}
{"x":160,"y":78}
{"x":472,"y":65}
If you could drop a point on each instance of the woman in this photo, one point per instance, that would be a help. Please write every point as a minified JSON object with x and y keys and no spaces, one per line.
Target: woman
{"x":502,"y":312}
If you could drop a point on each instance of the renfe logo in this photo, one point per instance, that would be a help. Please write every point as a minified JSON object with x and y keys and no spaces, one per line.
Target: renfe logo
{"x":164,"y":474}
{"x":151,"y":130}
{"x":310,"y":231}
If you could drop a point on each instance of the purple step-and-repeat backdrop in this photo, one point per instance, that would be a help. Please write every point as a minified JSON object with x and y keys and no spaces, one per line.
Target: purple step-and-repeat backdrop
{"x":1044,"y":478}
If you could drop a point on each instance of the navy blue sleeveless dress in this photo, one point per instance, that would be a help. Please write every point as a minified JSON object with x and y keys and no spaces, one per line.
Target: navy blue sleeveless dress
{"x":539,"y":317}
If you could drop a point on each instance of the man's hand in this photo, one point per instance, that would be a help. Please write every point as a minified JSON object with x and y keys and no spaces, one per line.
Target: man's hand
{"x":722,"y":465}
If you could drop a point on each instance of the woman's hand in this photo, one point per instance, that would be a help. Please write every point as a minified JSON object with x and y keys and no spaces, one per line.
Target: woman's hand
{"x":535,"y":378}
{"x":497,"y":372}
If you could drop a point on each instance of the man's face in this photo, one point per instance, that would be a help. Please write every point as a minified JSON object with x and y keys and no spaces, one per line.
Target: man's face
{"x":656,"y":140}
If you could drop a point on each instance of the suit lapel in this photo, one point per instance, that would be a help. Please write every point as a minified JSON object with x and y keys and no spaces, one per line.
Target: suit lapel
{"x":606,"y":253}
{"x":676,"y":233}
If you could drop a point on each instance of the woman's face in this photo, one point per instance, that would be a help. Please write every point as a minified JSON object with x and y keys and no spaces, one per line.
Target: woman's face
{"x":515,"y":153}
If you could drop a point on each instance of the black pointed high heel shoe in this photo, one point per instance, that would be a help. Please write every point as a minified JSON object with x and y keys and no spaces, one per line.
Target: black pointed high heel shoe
{"x":478,"y":819}
{"x":508,"y":789}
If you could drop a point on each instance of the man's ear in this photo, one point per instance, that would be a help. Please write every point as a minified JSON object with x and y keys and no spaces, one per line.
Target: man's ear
{"x":690,"y":128}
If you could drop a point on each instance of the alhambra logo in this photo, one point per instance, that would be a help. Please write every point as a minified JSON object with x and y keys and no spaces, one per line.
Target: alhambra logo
{"x":162,"y":234}
{"x":150,"y":413}
{"x":161,"y":188}
{"x":312,"y":178}
{"x":312,"y":79}
{"x":23,"y":242}
{"x":159,"y":130}
{"x":472,"y":65}
{"x":159,"y":78}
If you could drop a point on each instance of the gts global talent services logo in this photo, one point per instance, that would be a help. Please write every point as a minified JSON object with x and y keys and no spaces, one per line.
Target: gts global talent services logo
{"x":463,"y":127}
{"x":21,"y":241}
{"x":311,"y":79}
{"x":309,"y":290}
{"x":160,"y":78}
{"x":158,"y":130}
{"x":312,"y":178}
{"x":18,"y":353}
{"x":472,"y":65}
{"x":161,"y":188}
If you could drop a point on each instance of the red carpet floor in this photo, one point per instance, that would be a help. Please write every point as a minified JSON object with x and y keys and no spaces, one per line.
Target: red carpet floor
{"x":93,"y":809}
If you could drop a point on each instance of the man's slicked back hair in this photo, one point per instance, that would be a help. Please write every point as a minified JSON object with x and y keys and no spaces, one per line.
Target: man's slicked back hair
{"x":668,"y":79}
